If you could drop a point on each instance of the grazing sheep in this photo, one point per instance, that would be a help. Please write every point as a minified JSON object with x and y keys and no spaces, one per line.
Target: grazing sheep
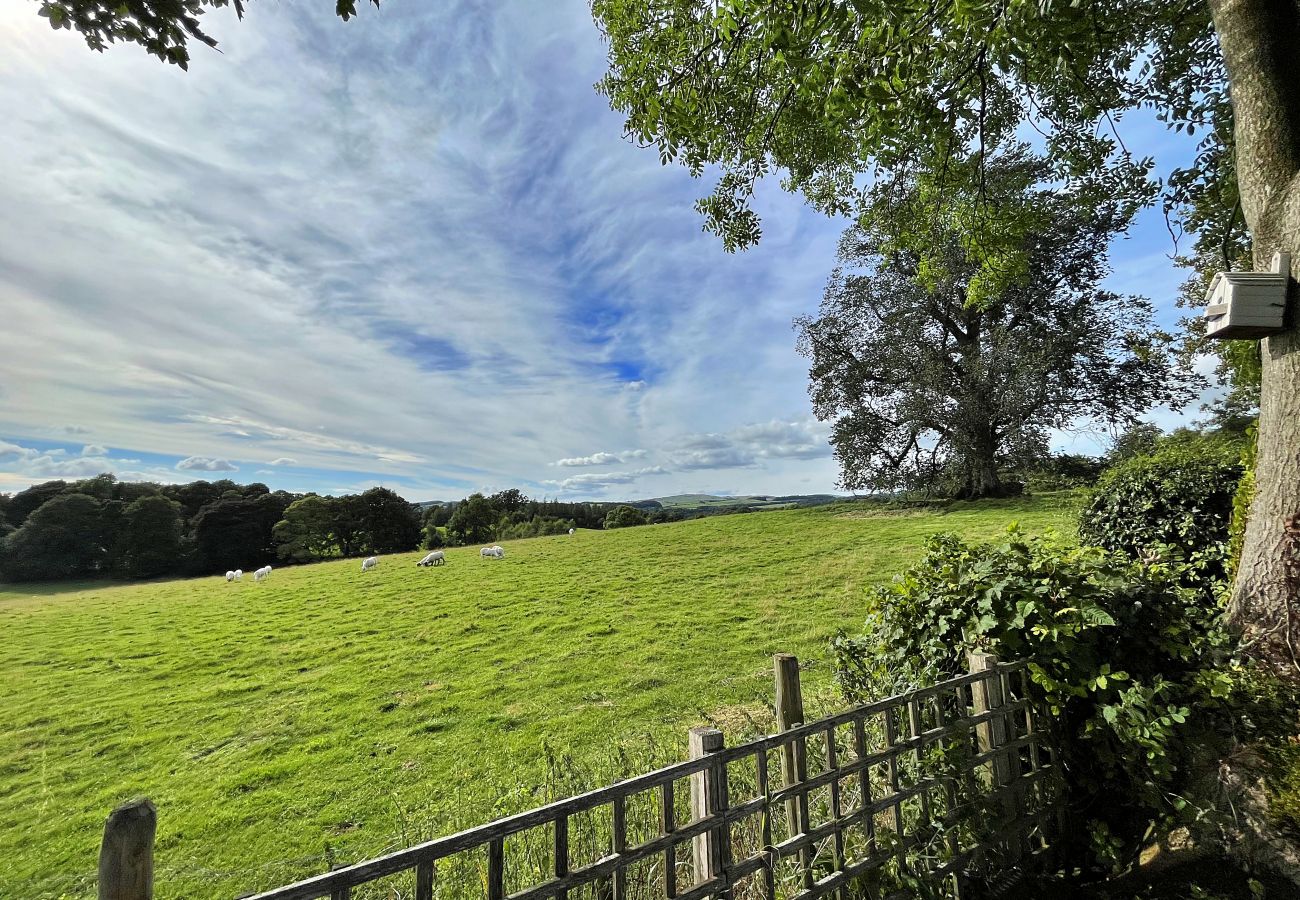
{"x":370,"y":563}
{"x":230,"y":576}
{"x":262,"y":573}
{"x":239,"y":574}
{"x":436,"y":558}
{"x":493,"y":552}
{"x":572,"y":532}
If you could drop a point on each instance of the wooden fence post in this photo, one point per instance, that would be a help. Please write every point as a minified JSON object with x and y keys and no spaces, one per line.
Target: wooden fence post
{"x":794,"y":758}
{"x":988,"y":696}
{"x":708,"y":796}
{"x":126,"y":854}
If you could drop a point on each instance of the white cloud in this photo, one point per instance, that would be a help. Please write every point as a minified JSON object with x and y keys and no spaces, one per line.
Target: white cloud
{"x":27,"y":465}
{"x":10,"y":452}
{"x":748,"y":445}
{"x":206,"y":464}
{"x":591,"y":481}
{"x":719,"y":458}
{"x":283,"y":461}
{"x":603,"y":458}
{"x":94,"y":450}
{"x":75,"y":430}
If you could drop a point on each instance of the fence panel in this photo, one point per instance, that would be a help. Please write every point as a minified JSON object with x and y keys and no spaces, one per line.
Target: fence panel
{"x":947,"y":781}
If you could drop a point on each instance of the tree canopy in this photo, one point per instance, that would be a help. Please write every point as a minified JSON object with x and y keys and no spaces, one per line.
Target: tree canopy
{"x":163,"y":28}
{"x":825,"y":91}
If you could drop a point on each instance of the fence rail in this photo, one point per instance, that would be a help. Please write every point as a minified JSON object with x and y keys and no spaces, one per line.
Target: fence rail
{"x":944,"y":781}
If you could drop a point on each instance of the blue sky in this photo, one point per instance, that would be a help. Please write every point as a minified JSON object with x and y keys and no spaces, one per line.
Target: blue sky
{"x":412,"y":250}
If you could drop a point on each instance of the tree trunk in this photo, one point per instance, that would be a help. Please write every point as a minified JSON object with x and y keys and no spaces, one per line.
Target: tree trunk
{"x":1260,"y":41}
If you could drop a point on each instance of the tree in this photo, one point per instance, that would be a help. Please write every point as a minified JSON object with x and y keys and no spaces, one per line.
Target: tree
{"x":306,"y":532}
{"x":433,"y":538}
{"x":625,"y":517}
{"x":235,"y":532}
{"x":390,"y":523}
{"x":926,"y":371}
{"x":348,"y":523}
{"x":24,"y":503}
{"x":164,"y":29}
{"x":473,"y":520}
{"x":827,"y":91}
{"x":1140,"y":439}
{"x":508,"y":501}
{"x":63,"y":538}
{"x":149,"y":538}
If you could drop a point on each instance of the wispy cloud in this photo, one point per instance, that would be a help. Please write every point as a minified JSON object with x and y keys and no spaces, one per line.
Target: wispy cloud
{"x":283,"y":461}
{"x":494,"y":281}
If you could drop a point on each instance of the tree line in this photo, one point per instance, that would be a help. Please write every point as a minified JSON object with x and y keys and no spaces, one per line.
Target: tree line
{"x":104,"y":528}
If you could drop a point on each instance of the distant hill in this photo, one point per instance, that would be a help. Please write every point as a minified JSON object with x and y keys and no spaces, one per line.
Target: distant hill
{"x":752,"y":501}
{"x":687,"y":503}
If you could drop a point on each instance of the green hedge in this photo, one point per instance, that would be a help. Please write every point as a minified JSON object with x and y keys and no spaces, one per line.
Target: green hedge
{"x":1180,"y":495}
{"x":1133,"y":670}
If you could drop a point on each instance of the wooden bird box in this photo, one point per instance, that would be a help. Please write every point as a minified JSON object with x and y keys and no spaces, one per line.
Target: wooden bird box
{"x":1247,"y":304}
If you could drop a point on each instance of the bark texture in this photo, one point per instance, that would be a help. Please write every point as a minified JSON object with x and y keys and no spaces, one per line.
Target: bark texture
{"x":1260,"y":41}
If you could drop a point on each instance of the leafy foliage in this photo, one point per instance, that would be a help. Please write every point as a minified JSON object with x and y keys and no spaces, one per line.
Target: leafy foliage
{"x":1180,"y":495}
{"x":163,"y":28}
{"x":1241,"y":501}
{"x":390,"y":523}
{"x":306,"y":532}
{"x":65,"y":537}
{"x":1131,"y":664}
{"x":827,"y":91}
{"x":473,"y":520}
{"x":149,"y":542}
{"x":625,"y":517}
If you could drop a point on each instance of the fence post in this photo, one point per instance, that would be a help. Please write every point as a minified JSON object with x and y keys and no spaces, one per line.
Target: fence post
{"x":988,"y":696}
{"x":126,"y":854}
{"x":794,"y":760}
{"x":708,"y":797}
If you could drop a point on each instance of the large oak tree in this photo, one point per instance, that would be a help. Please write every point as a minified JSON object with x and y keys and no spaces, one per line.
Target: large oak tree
{"x":935,"y":380}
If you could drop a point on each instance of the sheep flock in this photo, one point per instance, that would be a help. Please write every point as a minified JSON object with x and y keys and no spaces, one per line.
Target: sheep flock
{"x":434,"y":558}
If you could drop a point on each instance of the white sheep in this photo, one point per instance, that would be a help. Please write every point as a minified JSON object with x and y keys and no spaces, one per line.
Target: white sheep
{"x":239,"y":574}
{"x":262,"y":573}
{"x":369,"y":563}
{"x":572,"y":532}
{"x":492,"y":553}
{"x":230,"y":576}
{"x":436,"y":558}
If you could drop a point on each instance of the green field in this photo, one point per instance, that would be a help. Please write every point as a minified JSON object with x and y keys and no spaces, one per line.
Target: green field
{"x":328,"y":715}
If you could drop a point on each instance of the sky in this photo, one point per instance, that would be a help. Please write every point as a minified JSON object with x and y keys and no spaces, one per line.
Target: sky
{"x":411,"y":250}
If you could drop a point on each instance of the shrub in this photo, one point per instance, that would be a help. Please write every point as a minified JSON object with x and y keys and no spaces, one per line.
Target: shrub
{"x":625,"y":517}
{"x":1181,"y":495}
{"x":1130,"y":664}
{"x":1241,"y":501}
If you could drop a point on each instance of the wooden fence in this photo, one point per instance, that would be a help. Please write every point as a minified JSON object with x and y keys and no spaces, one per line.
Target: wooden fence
{"x":951,"y":782}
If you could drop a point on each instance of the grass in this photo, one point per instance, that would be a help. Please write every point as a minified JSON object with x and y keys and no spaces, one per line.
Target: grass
{"x":327,"y":715}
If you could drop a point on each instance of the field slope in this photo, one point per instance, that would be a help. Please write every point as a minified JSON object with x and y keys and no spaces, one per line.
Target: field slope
{"x":330,"y":715}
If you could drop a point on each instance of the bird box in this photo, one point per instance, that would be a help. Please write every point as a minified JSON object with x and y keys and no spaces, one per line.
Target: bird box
{"x":1248,"y":304}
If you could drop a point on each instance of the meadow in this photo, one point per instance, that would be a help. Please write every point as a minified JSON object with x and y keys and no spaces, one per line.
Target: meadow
{"x":327,"y":715}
